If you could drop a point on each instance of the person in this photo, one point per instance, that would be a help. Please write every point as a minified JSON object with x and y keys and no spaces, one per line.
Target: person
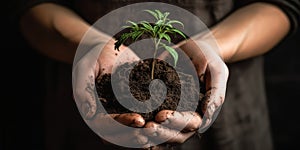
{"x":244,"y":30}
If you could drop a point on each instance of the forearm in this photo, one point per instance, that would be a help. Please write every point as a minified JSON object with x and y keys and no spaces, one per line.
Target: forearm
{"x":54,"y":30}
{"x":250,"y":31}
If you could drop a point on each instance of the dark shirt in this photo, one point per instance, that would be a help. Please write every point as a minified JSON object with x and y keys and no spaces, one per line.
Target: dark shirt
{"x":243,"y":122}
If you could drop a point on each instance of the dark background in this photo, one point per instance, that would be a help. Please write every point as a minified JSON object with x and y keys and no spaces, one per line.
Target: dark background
{"x":282,"y":70}
{"x":21,"y":99}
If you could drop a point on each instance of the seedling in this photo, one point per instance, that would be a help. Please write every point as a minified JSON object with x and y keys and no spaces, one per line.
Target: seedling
{"x":161,"y":29}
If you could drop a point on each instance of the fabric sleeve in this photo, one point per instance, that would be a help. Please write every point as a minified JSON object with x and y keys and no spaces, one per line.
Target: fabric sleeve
{"x":290,"y":7}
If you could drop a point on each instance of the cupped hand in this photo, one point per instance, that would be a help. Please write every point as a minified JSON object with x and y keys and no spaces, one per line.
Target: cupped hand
{"x":113,"y":132}
{"x":172,"y":126}
{"x":95,"y":58}
{"x":177,"y":127}
{"x":212,"y":71}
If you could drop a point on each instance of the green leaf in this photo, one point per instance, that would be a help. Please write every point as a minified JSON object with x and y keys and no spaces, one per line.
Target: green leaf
{"x":132,"y":23}
{"x":168,"y":26}
{"x":175,"y":21}
{"x":166,"y":14}
{"x":159,"y":14}
{"x":127,"y":27}
{"x":147,"y":25}
{"x":134,"y":26}
{"x":155,"y":28}
{"x":153,"y":14}
{"x":165,"y":36}
{"x":159,"y":22}
{"x":173,"y":53}
{"x":137,"y":35}
{"x":162,"y":29}
{"x":134,"y":34}
{"x":179,"y":32}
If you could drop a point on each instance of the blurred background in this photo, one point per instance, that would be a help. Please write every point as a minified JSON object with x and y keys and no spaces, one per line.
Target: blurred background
{"x":282,"y":77}
{"x":22,"y":107}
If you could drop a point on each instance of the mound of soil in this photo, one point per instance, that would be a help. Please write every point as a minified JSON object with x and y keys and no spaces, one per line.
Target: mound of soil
{"x":139,"y":87}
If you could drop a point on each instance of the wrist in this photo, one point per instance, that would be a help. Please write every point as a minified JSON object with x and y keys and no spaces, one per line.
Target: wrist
{"x":208,"y":42}
{"x":226,"y":47}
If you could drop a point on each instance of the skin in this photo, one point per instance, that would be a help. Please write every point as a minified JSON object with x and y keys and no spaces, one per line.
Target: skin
{"x":255,"y":29}
{"x":250,"y":31}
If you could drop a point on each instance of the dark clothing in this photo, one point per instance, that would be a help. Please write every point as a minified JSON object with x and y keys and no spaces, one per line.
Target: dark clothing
{"x":243,"y":122}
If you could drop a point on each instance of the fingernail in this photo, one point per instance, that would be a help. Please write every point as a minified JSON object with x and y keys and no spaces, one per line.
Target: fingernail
{"x":169,"y":115}
{"x":139,"y":122}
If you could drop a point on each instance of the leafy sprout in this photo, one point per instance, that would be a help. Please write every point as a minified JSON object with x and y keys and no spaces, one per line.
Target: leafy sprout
{"x":161,"y":29}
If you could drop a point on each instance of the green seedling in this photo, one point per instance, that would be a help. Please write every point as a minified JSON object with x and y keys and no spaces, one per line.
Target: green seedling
{"x":161,"y":29}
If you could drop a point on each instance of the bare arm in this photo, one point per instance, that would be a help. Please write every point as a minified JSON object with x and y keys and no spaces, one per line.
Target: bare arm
{"x":251,"y":31}
{"x":54,"y":30}
{"x":248,"y":32}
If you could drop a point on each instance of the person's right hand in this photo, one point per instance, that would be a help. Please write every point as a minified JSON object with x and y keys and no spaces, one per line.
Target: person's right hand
{"x":94,"y":57}
{"x":90,"y":63}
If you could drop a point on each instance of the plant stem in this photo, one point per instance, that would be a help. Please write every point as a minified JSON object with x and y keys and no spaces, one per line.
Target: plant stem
{"x":152,"y":70}
{"x":156,"y":43}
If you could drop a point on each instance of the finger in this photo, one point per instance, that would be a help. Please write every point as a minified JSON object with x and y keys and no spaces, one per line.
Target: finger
{"x":109,"y":58}
{"x":159,"y":133}
{"x":186,"y":121}
{"x":128,"y":56}
{"x":130,"y":119}
{"x":216,"y":83}
{"x":86,"y":67}
{"x":113,"y":123}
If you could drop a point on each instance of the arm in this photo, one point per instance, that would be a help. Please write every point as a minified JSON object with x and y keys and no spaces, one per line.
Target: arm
{"x":250,"y":31}
{"x":53,"y":30}
{"x":56,"y":31}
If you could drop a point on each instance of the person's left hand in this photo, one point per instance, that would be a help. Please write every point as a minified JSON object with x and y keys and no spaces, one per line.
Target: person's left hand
{"x":214,"y":73}
{"x":172,"y":126}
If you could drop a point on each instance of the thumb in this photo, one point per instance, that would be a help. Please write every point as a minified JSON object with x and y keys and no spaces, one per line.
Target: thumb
{"x":84,"y":73}
{"x":215,"y":95}
{"x":84,"y":93}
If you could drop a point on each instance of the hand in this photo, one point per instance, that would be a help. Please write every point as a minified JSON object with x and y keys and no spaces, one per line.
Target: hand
{"x":177,"y":127}
{"x":94,"y":58}
{"x":172,"y":127}
{"x":211,"y":70}
{"x":89,"y":63}
{"x":111,"y":129}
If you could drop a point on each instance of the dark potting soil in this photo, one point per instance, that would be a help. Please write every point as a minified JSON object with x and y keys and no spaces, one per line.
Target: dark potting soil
{"x":139,"y":87}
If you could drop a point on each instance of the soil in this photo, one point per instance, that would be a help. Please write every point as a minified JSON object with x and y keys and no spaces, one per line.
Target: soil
{"x":138,"y":86}
{"x":139,"y":82}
